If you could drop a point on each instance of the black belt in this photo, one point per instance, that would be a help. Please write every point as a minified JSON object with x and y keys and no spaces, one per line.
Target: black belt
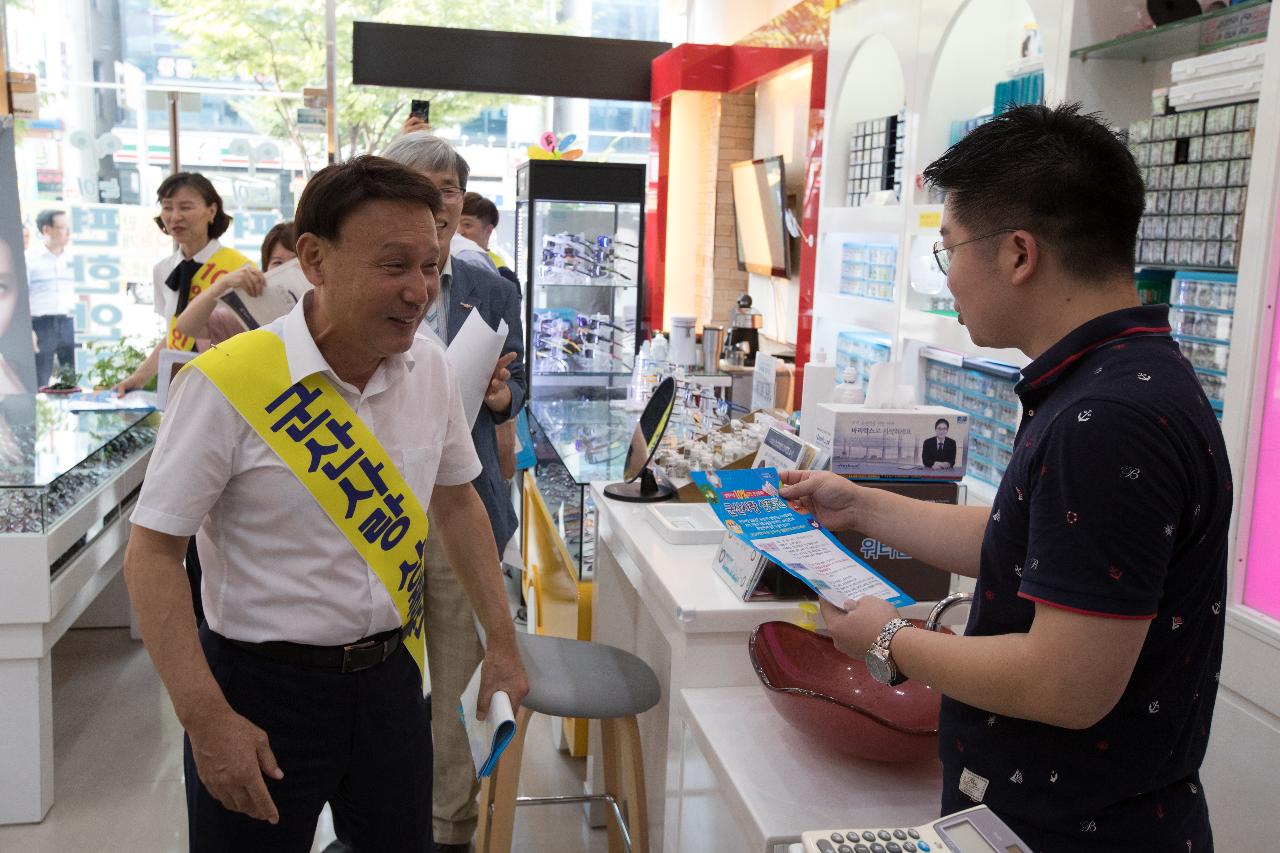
{"x":352,"y":657}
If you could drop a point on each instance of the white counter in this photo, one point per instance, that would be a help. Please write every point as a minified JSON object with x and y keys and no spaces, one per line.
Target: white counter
{"x":37,"y":606}
{"x":749,"y":781}
{"x":665,"y":604}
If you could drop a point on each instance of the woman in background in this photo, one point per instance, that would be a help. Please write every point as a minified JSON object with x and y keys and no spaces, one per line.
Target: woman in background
{"x":208,"y":317}
{"x":191,"y":212}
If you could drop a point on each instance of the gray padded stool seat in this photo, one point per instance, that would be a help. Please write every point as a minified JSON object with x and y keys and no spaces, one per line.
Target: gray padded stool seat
{"x":572,"y":678}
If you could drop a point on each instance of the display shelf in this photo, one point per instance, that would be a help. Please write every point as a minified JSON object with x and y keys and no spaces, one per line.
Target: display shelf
{"x":579,"y":247}
{"x":868,"y":219}
{"x":984,"y":391}
{"x":53,"y":457}
{"x":944,"y":331}
{"x":588,"y":282}
{"x":1193,"y":339}
{"x":1170,"y":41}
{"x":856,"y":311}
{"x":68,"y":482}
{"x":576,"y":442}
{"x":1200,"y":309}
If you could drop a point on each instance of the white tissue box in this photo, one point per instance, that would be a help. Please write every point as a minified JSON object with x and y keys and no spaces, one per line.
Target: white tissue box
{"x":898,"y":444}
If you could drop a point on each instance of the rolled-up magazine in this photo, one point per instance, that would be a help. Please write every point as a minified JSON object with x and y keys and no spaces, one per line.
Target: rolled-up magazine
{"x":490,"y":736}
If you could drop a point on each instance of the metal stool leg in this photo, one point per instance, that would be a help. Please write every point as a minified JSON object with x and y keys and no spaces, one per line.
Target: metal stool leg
{"x":498,"y":794}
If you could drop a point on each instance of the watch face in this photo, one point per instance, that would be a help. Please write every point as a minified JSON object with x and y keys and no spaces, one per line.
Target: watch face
{"x":880,"y":668}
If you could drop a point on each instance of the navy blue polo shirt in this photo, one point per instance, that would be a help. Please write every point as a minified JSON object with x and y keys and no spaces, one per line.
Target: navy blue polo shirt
{"x":1117,"y":503}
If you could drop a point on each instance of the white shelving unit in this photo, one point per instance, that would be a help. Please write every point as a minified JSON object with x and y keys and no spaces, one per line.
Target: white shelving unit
{"x":940,"y":59}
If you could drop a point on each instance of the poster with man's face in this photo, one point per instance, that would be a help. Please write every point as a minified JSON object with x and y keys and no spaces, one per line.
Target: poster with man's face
{"x":17,"y":350}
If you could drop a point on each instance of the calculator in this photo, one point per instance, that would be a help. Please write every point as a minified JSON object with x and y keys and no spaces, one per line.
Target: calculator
{"x":976,"y":830}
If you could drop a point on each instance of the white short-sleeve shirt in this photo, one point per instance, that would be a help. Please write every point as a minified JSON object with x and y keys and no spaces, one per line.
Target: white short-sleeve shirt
{"x":51,"y":282}
{"x":166,"y":300}
{"x":275,"y":566}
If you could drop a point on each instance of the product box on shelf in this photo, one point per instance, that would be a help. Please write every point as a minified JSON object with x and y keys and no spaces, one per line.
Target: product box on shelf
{"x":1196,"y":168}
{"x":924,"y":443}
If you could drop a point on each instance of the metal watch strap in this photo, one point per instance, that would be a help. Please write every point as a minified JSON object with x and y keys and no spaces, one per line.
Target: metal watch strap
{"x":888,"y":631}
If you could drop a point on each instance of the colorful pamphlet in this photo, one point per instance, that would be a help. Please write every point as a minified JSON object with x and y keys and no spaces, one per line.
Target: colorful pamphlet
{"x":750,"y":506}
{"x":490,"y":736}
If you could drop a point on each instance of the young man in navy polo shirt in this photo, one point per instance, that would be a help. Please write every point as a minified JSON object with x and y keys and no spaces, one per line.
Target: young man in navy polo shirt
{"x":1077,"y":705}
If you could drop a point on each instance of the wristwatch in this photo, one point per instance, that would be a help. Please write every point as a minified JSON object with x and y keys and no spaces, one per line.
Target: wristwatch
{"x":879,"y":661}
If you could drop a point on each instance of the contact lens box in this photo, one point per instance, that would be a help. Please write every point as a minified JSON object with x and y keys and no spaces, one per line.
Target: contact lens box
{"x":895,"y":444}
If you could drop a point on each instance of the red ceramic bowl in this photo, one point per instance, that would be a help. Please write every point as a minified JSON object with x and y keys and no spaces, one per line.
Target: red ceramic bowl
{"x":831,"y":697}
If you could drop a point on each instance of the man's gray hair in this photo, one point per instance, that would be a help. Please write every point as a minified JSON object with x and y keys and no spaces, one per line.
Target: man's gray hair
{"x":426,"y":152}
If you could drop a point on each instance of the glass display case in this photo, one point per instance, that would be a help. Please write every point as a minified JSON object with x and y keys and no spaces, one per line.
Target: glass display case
{"x":576,"y":442}
{"x":52,"y":456}
{"x":579,"y":251}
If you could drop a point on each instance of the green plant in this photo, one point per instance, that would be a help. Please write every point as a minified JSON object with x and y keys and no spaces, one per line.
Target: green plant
{"x":113,"y":361}
{"x":62,"y":376}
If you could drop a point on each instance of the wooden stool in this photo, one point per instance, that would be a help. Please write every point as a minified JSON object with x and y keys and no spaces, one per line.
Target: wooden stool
{"x":572,"y":678}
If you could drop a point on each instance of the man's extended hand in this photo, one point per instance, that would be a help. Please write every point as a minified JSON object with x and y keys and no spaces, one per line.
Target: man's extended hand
{"x":855,"y":628}
{"x":502,"y":670}
{"x":232,"y":755}
{"x":832,"y":499}
{"x":498,"y":396}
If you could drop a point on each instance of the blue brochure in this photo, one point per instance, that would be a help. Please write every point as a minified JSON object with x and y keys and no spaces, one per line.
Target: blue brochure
{"x":749,"y":505}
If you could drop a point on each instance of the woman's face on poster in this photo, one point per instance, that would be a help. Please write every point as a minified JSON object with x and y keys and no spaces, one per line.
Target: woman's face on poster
{"x":8,"y":287}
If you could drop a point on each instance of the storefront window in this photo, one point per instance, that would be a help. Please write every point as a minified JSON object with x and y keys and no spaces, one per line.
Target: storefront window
{"x":101,"y":145}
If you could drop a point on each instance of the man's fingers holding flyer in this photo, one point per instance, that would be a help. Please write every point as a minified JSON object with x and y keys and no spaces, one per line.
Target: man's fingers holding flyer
{"x":855,"y":628}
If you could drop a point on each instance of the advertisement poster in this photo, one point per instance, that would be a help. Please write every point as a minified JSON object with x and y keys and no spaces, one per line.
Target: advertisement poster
{"x":17,"y":350}
{"x":749,"y":505}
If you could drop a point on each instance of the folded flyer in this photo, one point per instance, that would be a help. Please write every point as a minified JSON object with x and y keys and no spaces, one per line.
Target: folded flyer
{"x":286,"y":285}
{"x":490,"y":736}
{"x":750,"y":506}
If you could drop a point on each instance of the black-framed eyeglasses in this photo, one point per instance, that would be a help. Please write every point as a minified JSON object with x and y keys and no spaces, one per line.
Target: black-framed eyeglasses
{"x":451,"y":194}
{"x":942,"y":254}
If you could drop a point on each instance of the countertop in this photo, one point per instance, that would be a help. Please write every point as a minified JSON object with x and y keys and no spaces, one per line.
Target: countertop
{"x":779,"y":782}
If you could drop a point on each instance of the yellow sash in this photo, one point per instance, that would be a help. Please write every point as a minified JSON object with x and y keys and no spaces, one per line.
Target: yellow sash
{"x":335,"y":456}
{"x":223,"y":261}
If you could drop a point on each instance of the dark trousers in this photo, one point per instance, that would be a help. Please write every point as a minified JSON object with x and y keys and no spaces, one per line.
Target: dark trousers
{"x":55,"y":335}
{"x":194,"y":574}
{"x":359,"y":741}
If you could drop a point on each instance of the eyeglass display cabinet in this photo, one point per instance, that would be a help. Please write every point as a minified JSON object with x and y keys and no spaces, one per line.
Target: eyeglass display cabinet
{"x":68,"y":481}
{"x":579,"y":251}
{"x":577,"y":442}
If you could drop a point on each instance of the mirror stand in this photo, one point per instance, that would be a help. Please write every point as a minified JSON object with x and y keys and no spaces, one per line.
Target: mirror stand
{"x":643,"y":489}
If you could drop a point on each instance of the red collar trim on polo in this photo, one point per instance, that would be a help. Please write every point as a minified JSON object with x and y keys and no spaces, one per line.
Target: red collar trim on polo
{"x":1076,"y":356}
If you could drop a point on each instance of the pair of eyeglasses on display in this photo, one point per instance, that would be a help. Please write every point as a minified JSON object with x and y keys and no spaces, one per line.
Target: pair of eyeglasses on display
{"x":942,"y":254}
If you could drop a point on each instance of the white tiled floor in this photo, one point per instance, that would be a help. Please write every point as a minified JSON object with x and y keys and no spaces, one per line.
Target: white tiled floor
{"x":118,"y":764}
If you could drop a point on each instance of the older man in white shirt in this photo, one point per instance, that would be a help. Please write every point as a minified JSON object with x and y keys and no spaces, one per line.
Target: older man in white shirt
{"x":304,"y":687}
{"x":52,"y":293}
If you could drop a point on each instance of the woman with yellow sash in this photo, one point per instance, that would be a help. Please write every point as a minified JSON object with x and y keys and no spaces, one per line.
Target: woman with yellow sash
{"x":191,"y":212}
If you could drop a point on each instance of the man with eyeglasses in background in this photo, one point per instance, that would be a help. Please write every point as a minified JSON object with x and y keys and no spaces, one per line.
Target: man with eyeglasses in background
{"x":453,"y":647}
{"x":1078,"y":702}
